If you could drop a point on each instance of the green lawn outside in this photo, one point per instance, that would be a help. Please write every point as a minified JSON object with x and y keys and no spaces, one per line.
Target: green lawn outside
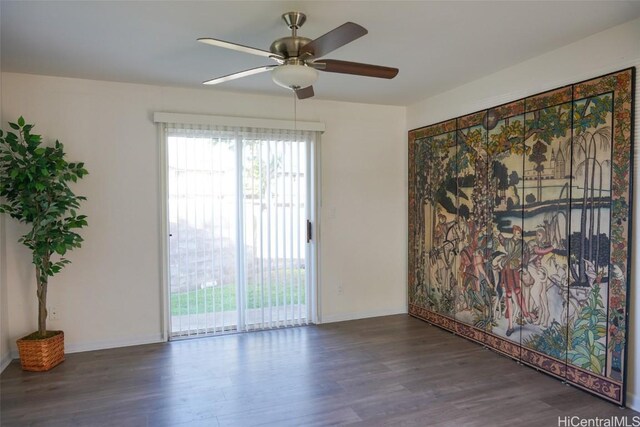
{"x":223,"y":298}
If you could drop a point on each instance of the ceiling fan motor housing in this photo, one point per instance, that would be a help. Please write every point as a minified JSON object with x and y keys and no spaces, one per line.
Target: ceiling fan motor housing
{"x":289,"y":47}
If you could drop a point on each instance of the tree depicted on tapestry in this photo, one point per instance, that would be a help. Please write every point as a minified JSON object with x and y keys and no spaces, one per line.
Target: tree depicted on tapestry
{"x":473,"y":286}
{"x":519,"y":225}
{"x":546,"y":226}
{"x":435,"y":249}
{"x":590,"y":230}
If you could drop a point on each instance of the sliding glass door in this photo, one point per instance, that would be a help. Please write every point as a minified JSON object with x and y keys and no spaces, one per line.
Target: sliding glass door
{"x":239,"y":206}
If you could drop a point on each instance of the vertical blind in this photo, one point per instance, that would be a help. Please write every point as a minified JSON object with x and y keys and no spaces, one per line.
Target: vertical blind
{"x":238,"y":204}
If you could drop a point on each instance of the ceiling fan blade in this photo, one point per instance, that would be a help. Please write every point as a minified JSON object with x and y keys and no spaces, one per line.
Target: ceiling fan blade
{"x":357,"y":68}
{"x":239,"y":47}
{"x":304,"y":93}
{"x":338,"y":37}
{"x":240,"y":74}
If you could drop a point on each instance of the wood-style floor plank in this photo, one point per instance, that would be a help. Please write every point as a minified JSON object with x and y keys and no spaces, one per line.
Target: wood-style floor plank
{"x":393,"y":370}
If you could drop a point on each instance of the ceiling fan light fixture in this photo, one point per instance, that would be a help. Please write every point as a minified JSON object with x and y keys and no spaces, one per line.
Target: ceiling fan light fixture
{"x":294,"y":76}
{"x":298,"y":69}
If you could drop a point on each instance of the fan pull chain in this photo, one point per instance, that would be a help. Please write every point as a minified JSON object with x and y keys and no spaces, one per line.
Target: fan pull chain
{"x":295,"y":113}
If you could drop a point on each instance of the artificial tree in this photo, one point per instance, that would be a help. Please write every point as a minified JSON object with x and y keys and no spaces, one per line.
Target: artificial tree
{"x":34,"y":189}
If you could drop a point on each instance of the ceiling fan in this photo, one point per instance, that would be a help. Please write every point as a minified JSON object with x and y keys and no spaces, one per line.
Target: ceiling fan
{"x":298,"y":57}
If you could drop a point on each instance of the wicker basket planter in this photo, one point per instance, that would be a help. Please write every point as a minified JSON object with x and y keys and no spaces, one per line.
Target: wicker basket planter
{"x":41,"y":354}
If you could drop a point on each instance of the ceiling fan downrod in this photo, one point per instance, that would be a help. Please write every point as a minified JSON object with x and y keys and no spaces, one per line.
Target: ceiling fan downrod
{"x":294,"y":21}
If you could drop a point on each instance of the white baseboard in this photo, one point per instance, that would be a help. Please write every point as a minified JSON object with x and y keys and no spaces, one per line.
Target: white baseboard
{"x":341,"y":317}
{"x":633,"y":401}
{"x":5,"y":360}
{"x":102,"y":345}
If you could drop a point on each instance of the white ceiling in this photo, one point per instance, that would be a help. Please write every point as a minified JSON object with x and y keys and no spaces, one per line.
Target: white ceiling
{"x":436,"y":45}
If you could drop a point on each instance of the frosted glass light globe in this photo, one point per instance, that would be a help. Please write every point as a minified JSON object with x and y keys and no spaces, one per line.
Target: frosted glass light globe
{"x":294,"y":76}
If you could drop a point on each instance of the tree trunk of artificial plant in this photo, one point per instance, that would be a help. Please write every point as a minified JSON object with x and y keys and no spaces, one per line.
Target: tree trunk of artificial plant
{"x":42,"y":281}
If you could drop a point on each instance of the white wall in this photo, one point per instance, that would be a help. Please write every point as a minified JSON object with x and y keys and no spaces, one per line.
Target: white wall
{"x":5,"y":356}
{"x":363,"y":231}
{"x":110,"y":295}
{"x":610,"y":50}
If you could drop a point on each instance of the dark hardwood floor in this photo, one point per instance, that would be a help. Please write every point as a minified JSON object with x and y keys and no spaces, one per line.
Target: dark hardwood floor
{"x":392,"y":370}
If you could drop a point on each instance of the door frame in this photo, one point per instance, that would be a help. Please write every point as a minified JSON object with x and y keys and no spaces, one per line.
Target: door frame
{"x":313,"y":199}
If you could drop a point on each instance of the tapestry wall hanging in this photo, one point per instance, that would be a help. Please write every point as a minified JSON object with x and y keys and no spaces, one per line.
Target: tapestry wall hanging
{"x":519,"y":229}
